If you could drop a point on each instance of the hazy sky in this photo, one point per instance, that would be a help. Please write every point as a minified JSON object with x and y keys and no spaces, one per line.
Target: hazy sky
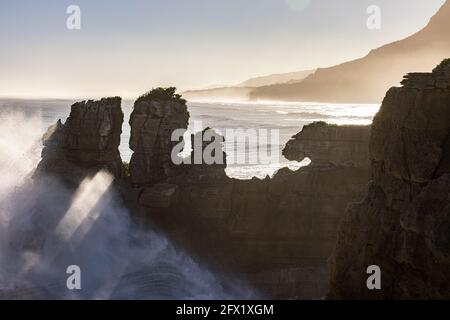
{"x":126,"y":47}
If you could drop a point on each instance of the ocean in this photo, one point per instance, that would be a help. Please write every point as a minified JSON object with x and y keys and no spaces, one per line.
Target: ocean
{"x":286,"y":117}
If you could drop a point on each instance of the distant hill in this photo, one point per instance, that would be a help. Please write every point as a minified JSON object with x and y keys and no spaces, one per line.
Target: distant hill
{"x":242,"y":91}
{"x":367,"y":79}
{"x":219,"y":94}
{"x":279,"y":78}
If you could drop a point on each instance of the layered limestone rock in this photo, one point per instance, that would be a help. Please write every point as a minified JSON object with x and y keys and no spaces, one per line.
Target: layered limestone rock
{"x":87,"y":143}
{"x":403,"y":225}
{"x":439,"y":78}
{"x":327,"y":144}
{"x":276,"y":232}
{"x":155,"y":117}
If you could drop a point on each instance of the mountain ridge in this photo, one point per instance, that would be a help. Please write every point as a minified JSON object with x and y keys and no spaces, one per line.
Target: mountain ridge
{"x":243,"y":90}
{"x":365,"y":80}
{"x":277,"y":78}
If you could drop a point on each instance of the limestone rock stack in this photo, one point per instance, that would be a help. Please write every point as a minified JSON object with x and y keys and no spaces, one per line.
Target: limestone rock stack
{"x":280,"y":231}
{"x":403,"y":225}
{"x":155,"y":117}
{"x":277,"y":232}
{"x":87,"y":143}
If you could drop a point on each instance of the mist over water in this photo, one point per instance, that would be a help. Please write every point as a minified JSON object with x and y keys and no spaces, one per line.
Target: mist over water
{"x":44,"y":228}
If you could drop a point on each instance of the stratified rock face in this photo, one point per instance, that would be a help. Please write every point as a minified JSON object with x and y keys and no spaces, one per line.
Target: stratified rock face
{"x":327,"y":144}
{"x":439,"y":78}
{"x":266,"y":228}
{"x":403,"y":225}
{"x":87,"y":142}
{"x":152,"y":123}
{"x":278,"y":232}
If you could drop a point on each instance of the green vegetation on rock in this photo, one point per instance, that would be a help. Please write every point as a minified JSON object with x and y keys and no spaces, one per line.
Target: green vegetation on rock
{"x":445,"y":64}
{"x":162,"y":94}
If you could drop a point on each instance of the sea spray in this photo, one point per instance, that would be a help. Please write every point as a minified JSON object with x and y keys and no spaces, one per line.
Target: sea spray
{"x":45,"y":228}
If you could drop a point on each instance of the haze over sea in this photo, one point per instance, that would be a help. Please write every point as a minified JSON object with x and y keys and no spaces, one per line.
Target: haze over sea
{"x":287,"y":117}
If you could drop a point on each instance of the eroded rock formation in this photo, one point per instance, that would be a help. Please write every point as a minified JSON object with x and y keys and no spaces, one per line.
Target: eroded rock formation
{"x":276,"y":232}
{"x":403,"y":225}
{"x":154,"y":119}
{"x":327,"y":144}
{"x":86,"y":143}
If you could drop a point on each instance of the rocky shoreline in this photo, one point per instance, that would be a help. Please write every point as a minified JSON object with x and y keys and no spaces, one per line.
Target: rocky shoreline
{"x":278,"y":233}
{"x":266,"y":231}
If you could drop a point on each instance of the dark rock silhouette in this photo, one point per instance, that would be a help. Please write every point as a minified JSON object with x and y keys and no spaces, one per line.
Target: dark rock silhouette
{"x":155,"y":116}
{"x":328,"y":144}
{"x":86,"y":143}
{"x":275,"y":233}
{"x":278,"y":232}
{"x":403,"y":224}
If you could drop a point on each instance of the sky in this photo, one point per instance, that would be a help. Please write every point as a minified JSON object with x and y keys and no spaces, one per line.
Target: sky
{"x":126,"y":47}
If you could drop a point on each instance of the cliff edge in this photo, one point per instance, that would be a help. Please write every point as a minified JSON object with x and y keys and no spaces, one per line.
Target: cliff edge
{"x":403,"y":225}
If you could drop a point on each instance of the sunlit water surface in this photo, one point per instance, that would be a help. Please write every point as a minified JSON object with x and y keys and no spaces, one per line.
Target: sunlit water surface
{"x":287,"y":118}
